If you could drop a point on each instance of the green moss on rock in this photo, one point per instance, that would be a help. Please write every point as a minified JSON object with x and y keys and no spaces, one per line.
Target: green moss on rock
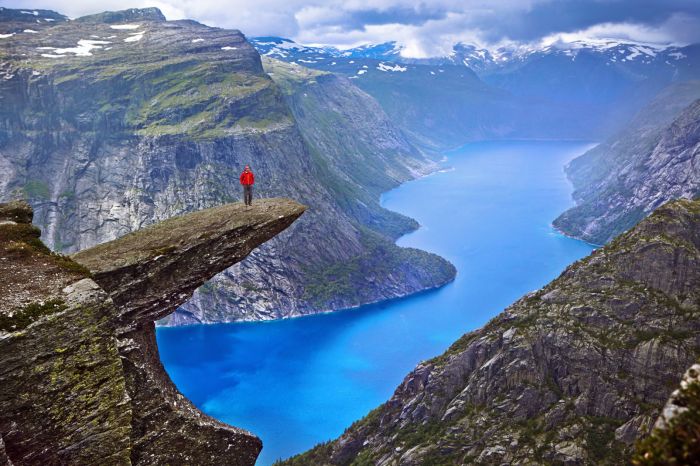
{"x":678,"y":442}
{"x":29,"y":314}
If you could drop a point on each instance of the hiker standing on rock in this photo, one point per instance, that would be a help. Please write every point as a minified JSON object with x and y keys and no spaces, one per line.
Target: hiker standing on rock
{"x":247,"y":180}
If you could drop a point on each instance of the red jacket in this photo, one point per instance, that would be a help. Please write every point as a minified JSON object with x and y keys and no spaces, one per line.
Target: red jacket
{"x":247,"y":178}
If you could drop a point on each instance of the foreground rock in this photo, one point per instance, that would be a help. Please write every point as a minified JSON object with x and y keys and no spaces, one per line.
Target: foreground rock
{"x":676,"y":435}
{"x":80,"y":377}
{"x":574,"y":373}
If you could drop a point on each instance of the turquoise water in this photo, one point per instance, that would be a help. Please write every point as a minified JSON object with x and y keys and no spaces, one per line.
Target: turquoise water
{"x":301,"y":381}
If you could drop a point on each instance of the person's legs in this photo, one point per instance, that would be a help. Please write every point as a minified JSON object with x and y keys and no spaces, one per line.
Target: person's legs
{"x":248,"y":194}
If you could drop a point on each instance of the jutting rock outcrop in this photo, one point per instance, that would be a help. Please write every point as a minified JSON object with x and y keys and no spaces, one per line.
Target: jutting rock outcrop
{"x":573,"y":373}
{"x":80,"y":377}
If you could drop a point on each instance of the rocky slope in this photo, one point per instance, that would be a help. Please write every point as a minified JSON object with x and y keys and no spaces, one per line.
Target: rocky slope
{"x":80,"y":380}
{"x":573,"y":373}
{"x":117,"y":120}
{"x":655,"y":159}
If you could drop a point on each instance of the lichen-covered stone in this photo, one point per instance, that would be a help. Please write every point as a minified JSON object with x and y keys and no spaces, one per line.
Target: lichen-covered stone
{"x":17,"y":211}
{"x":676,"y":435}
{"x":80,"y":377}
{"x":573,"y":373}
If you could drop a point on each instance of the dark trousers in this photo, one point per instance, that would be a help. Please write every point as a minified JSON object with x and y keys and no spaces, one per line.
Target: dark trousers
{"x":248,"y":194}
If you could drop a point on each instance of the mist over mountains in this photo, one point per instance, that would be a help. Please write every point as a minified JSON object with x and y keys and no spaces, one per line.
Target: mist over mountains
{"x":579,"y":90}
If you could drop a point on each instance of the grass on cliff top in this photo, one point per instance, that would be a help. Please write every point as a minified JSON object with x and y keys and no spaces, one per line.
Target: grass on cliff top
{"x":22,"y":240}
{"x":31,"y":275}
{"x":173,"y":96}
{"x":290,"y":76}
{"x":346,"y":280}
{"x":197,"y":86}
{"x":22,"y":318}
{"x":204,"y":100}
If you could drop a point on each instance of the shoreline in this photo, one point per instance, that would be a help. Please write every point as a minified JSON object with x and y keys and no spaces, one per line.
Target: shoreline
{"x":438,"y":169}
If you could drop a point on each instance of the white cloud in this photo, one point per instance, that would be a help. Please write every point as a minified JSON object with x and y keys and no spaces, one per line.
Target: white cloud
{"x":665,"y":33}
{"x":424,"y":28}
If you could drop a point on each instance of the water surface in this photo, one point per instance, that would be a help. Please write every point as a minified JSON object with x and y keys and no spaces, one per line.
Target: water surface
{"x":301,"y":381}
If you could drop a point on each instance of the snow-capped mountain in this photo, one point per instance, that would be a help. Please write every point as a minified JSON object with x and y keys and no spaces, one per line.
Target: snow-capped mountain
{"x":485,"y":61}
{"x":611,"y":52}
{"x":278,"y":47}
{"x":581,"y":89}
{"x":357,"y":62}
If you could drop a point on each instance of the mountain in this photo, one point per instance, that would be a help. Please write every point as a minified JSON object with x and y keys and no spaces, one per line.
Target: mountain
{"x":81,"y":381}
{"x":579,"y":89}
{"x":434,"y":105}
{"x":573,"y":373}
{"x":627,"y":54}
{"x":633,"y":57}
{"x":114,"y":121}
{"x":602,"y":83}
{"x":653,"y":160}
{"x":19,"y":21}
{"x":331,"y":114}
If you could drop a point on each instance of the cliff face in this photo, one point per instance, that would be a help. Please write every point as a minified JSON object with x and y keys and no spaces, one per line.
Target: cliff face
{"x":118,"y":120}
{"x":81,"y":380}
{"x":654,"y":160}
{"x":573,"y":373}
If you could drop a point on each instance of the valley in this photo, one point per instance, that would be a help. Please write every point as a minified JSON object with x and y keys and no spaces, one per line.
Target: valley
{"x":513,"y":225}
{"x":321,"y":373}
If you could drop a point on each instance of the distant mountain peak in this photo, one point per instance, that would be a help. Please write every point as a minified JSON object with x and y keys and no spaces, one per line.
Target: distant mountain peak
{"x":29,"y":15}
{"x":131,"y":14}
{"x":480,"y":59}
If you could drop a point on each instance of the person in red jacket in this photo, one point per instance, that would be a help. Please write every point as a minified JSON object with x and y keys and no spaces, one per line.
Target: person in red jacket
{"x":247,"y":180}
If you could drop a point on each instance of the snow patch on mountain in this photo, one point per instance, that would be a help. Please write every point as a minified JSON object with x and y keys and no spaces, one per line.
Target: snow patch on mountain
{"x":125,"y":26}
{"x":84,"y":48}
{"x":385,"y":67}
{"x":135,"y":37}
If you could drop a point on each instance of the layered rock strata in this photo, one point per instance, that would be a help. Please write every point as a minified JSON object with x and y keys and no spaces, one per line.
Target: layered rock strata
{"x":80,"y":376}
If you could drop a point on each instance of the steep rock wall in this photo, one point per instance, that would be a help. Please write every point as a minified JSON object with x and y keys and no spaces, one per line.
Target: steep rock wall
{"x":80,"y":379}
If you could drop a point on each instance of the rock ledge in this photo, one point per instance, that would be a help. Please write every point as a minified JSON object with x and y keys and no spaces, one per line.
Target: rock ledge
{"x":81,"y":381}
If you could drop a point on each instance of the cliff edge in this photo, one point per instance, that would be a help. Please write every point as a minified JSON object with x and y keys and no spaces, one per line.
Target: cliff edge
{"x":80,"y":378}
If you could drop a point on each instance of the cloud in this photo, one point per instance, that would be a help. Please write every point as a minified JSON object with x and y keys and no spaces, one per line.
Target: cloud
{"x":679,"y":28}
{"x":424,"y":28}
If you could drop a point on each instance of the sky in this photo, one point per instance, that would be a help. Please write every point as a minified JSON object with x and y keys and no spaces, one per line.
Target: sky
{"x":427,"y":28}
